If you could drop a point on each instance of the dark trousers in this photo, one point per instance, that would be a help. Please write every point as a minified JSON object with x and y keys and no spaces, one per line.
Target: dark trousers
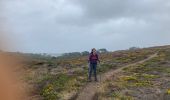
{"x":92,"y":68}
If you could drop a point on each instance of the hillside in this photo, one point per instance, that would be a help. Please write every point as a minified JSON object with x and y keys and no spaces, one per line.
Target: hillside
{"x":136,"y":75}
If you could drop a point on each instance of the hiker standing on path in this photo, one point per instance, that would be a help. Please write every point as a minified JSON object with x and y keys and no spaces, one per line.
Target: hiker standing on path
{"x":93,"y":60}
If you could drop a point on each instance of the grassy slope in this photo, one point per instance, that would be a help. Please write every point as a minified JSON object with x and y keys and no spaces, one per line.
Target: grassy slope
{"x":147,"y":81}
{"x":64,"y":78}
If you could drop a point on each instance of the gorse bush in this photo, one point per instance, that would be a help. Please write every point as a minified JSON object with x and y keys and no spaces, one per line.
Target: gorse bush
{"x":49,"y":93}
{"x":54,"y":84}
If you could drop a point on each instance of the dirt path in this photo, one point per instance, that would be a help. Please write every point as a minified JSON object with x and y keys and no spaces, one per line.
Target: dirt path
{"x":91,"y":88}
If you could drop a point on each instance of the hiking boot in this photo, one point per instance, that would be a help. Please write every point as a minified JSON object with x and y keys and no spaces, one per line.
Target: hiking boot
{"x":89,"y":80}
{"x":96,"y":80}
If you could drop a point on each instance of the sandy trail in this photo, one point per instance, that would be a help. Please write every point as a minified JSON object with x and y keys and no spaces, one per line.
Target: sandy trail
{"x":91,"y":88}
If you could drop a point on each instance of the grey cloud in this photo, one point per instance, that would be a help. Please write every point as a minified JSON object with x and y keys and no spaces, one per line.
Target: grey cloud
{"x":77,"y":25}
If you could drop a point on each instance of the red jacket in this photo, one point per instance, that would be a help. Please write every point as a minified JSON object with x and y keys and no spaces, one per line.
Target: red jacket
{"x":93,"y":58}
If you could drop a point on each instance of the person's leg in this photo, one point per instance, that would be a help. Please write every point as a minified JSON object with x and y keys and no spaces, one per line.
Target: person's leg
{"x":95,"y":72}
{"x":90,"y":71}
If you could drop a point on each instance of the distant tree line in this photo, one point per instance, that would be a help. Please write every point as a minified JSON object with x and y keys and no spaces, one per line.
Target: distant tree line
{"x":38,"y":56}
{"x":65,"y":55}
{"x":84,"y":53}
{"x":134,"y":48}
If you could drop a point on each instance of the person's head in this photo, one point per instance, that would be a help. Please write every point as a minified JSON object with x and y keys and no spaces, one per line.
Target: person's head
{"x":93,"y":51}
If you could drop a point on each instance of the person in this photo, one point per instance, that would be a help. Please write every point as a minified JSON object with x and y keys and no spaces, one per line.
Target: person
{"x":93,"y":61}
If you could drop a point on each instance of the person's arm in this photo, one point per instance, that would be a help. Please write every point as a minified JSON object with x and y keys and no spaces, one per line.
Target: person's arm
{"x":89,"y":58}
{"x":98,"y":58}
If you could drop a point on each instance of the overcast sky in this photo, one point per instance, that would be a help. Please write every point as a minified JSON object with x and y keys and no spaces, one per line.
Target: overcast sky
{"x":57,"y":26}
